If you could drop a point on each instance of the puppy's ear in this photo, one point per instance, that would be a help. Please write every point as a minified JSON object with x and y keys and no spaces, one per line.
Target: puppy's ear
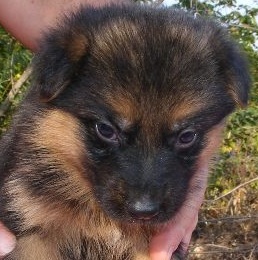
{"x":234,"y":69}
{"x":58,"y":60}
{"x":238,"y":78}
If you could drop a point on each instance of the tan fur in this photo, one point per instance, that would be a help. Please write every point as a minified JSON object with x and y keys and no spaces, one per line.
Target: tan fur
{"x":60,"y":134}
{"x":125,"y":106}
{"x":114,"y":37}
{"x":93,"y":224}
{"x":61,"y":141}
{"x":77,"y":47}
{"x":235,"y":96}
{"x":41,"y":250}
{"x":71,"y":189}
{"x":184,"y":109}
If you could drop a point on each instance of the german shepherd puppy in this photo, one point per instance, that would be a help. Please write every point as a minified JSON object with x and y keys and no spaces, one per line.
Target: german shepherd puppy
{"x":127,"y":103}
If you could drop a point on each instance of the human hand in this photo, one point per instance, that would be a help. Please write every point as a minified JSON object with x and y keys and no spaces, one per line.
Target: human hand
{"x":176,"y":236}
{"x":42,"y":14}
{"x":7,"y":241}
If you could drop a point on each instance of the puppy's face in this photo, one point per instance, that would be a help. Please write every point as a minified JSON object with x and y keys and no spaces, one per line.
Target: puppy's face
{"x":149,"y":88}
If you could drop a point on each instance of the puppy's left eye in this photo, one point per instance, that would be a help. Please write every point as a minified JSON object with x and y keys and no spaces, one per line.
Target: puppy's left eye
{"x":106,"y":132}
{"x":186,"y":138}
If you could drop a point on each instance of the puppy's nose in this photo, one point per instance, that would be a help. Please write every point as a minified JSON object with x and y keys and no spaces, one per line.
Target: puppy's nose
{"x":143,"y":209}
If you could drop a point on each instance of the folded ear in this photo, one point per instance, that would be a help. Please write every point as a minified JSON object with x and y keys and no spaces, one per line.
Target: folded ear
{"x":238,"y":77}
{"x":233,"y":68}
{"x":58,"y":59}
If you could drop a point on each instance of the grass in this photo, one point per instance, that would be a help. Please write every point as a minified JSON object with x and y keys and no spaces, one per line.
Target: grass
{"x":13,"y":61}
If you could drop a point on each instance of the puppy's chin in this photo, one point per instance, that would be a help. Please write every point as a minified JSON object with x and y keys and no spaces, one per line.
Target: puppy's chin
{"x":151,"y":223}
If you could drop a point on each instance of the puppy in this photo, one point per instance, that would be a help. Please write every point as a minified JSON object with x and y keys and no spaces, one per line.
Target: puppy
{"x":126,"y":105}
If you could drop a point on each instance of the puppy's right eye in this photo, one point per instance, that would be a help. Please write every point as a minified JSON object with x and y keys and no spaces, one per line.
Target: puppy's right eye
{"x":106,"y":132}
{"x":186,"y":138}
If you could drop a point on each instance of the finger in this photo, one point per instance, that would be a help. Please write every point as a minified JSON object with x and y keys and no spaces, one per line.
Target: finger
{"x":180,"y":228}
{"x":178,"y":232}
{"x":186,"y":241}
{"x":182,"y":249}
{"x":7,"y":241}
{"x":166,"y":242}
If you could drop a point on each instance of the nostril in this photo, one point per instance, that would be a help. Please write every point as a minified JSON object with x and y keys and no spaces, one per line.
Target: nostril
{"x":143,"y":210}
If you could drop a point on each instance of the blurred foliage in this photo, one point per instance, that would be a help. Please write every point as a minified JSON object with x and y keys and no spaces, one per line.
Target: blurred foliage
{"x":14,"y":59}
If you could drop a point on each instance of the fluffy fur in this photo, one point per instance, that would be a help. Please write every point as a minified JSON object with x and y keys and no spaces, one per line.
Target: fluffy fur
{"x":126,"y":104}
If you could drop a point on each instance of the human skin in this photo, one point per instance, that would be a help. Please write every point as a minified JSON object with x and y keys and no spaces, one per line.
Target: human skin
{"x":178,"y":233}
{"x":26,"y":20}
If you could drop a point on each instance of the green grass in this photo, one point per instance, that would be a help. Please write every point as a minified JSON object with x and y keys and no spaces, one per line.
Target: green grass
{"x":14,"y":59}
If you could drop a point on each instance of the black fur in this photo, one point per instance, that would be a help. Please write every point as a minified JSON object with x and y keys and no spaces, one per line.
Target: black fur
{"x":155,"y":59}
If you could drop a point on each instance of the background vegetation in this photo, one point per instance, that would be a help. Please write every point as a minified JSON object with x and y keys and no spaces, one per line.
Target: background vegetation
{"x":228,"y":226}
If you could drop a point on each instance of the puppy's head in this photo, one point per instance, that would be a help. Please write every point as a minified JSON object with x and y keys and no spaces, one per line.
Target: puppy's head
{"x":149,"y":88}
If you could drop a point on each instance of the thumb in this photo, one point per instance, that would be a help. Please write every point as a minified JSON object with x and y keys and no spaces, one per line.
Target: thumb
{"x":7,"y":241}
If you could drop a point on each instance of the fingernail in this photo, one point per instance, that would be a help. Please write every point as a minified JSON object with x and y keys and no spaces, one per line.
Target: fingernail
{"x":7,"y":243}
